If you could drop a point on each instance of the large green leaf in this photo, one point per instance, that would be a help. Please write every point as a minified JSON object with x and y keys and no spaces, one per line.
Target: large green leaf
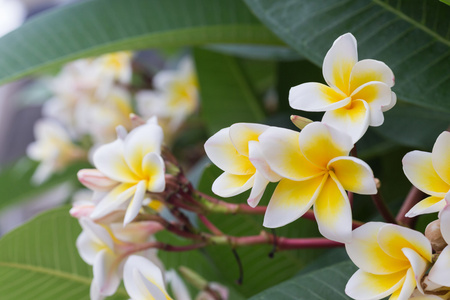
{"x":39,"y":261}
{"x":259,"y":270}
{"x":225,"y":90}
{"x":326,"y":283}
{"x":412,"y":37}
{"x":16,"y":185}
{"x":93,"y":27}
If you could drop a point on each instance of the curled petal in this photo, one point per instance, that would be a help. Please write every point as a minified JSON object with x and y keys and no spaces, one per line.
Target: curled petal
{"x":143,"y":279}
{"x":95,"y":180}
{"x":377,"y":95}
{"x":312,"y":96}
{"x":282,"y":152}
{"x":96,"y":233}
{"x":426,"y":206}
{"x":367,"y":70}
{"x":333,"y":212}
{"x":141,"y":141}
{"x":153,"y":169}
{"x":227,"y":185}
{"x":393,"y":238}
{"x":109,"y":160}
{"x":135,"y":203}
{"x":320,"y":143}
{"x":259,"y":186}
{"x":223,"y":154}
{"x":258,"y":160}
{"x":339,"y":62}
{"x":418,"y":167}
{"x":114,"y":200}
{"x":441,"y":156}
{"x":391,"y":104}
{"x":366,"y":253}
{"x":418,"y":266}
{"x":440,"y":272}
{"x":407,"y":288}
{"x":136,"y":232}
{"x":367,"y":286}
{"x":242,"y":133}
{"x":290,"y":200}
{"x":106,"y":275}
{"x":354,"y":175}
{"x":353,"y":119}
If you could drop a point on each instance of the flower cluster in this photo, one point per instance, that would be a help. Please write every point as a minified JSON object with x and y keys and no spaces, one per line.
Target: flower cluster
{"x":91,"y":97}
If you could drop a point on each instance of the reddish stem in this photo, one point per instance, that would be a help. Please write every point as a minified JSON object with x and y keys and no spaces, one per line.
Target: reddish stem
{"x":414,"y":196}
{"x":383,"y":209}
{"x":211,"y":227}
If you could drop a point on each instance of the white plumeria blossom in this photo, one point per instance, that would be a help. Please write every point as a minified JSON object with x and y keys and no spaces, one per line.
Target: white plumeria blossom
{"x":144,"y":280}
{"x":391,"y":259}
{"x":53,"y":148}
{"x":440,"y":272}
{"x":430,"y":173}
{"x":236,"y":151}
{"x":12,"y":14}
{"x":357,"y":94}
{"x":316,"y":169}
{"x":175,"y":95}
{"x":134,"y":162}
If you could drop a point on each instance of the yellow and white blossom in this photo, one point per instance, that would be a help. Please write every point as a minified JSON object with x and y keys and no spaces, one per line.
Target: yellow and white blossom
{"x":144,"y":280}
{"x":357,"y":94}
{"x":316,"y":169}
{"x":236,"y":151}
{"x":430,"y":173}
{"x":174,"y":98}
{"x":134,"y":162}
{"x":53,"y":148}
{"x":391,"y":259}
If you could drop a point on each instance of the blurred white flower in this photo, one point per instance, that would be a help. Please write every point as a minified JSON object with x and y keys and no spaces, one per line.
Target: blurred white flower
{"x":12,"y":14}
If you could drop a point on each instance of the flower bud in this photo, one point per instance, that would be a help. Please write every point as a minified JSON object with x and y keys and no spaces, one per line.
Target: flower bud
{"x":300,"y":122}
{"x":433,"y":233}
{"x":95,"y":180}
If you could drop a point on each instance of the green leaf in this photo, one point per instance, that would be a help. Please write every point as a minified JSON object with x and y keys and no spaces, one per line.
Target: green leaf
{"x":39,"y":261}
{"x":326,"y":283}
{"x":16,"y":185}
{"x":94,"y":27}
{"x":281,"y":53}
{"x":225,"y":91}
{"x":411,"y":37}
{"x":258,"y":268}
{"x":446,"y":1}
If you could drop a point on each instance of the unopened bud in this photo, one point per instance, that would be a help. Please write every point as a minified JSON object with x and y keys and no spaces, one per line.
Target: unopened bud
{"x":95,"y":180}
{"x":377,"y":183}
{"x":300,"y":122}
{"x":434,"y":235}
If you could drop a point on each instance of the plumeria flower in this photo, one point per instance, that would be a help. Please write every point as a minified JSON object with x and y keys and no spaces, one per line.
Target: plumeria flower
{"x":12,"y":14}
{"x":53,"y":148}
{"x":440,"y":272}
{"x":357,"y":94}
{"x":430,"y":173}
{"x":236,"y":151}
{"x":101,"y":247}
{"x":175,"y":95}
{"x":134,"y":162}
{"x":316,"y":169}
{"x":144,"y":280}
{"x":391,"y":260}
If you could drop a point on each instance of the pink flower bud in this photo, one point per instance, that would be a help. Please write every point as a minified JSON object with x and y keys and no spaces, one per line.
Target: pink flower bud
{"x":95,"y":180}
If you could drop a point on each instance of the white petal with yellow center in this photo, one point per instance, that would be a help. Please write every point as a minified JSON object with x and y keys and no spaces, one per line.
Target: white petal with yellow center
{"x":114,"y":200}
{"x":441,"y":156}
{"x":339,"y":62}
{"x":312,"y":96}
{"x":333,"y":212}
{"x":418,"y":265}
{"x":136,"y":202}
{"x":109,"y":159}
{"x":95,"y":180}
{"x":153,"y":171}
{"x":367,"y":70}
{"x":280,"y":148}
{"x":418,"y":167}
{"x":259,"y":186}
{"x":259,"y":161}
{"x":353,"y":119}
{"x":105,"y":272}
{"x":407,"y":288}
{"x":223,"y":154}
{"x":426,"y":206}
{"x":354,"y":175}
{"x":242,"y":133}
{"x":320,"y":143}
{"x":391,"y":104}
{"x":228,"y":185}
{"x":290,"y":200}
{"x":366,"y":253}
{"x":440,"y":272}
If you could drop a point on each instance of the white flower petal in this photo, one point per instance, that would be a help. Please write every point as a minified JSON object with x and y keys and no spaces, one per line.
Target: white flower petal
{"x":290,"y":200}
{"x":339,"y":62}
{"x":242,"y":133}
{"x":105,"y":272}
{"x":114,"y":200}
{"x":153,"y":168}
{"x":95,"y":180}
{"x":440,"y":272}
{"x":419,"y":266}
{"x":96,"y":233}
{"x":135,"y":203}
{"x":227,"y":185}
{"x":312,"y":96}
{"x":262,"y":167}
{"x":370,"y":70}
{"x":445,"y":220}
{"x":426,"y":206}
{"x":441,"y":156}
{"x":259,"y":186}
{"x":354,"y":175}
{"x":391,"y":104}
{"x":367,"y":286}
{"x":178,"y":287}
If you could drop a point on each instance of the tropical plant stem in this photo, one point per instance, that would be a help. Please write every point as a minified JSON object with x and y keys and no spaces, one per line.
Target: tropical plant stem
{"x":414,"y":196}
{"x":383,"y":209}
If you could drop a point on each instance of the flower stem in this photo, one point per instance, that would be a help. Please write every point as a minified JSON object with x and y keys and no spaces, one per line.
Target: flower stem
{"x":414,"y":196}
{"x":382,"y":208}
